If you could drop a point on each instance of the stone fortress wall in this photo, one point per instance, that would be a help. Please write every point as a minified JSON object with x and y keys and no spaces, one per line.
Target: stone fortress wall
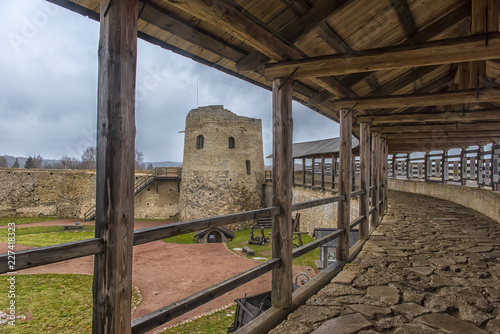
{"x":223,"y":167}
{"x":70,"y":193}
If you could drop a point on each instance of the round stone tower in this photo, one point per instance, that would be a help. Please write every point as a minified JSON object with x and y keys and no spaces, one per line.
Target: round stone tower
{"x":223,"y":167}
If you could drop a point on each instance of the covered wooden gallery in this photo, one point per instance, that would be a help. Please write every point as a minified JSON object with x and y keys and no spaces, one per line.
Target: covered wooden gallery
{"x":402,"y":75}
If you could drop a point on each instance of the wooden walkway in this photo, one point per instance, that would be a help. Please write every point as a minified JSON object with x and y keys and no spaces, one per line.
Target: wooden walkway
{"x":432,"y":266}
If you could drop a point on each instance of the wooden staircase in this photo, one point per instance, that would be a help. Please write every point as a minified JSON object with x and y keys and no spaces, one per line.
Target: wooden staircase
{"x":159,"y":173}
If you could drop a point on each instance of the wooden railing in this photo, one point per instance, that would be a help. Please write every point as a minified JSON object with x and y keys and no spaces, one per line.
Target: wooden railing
{"x":159,"y":173}
{"x":53,"y":254}
{"x":478,"y":167}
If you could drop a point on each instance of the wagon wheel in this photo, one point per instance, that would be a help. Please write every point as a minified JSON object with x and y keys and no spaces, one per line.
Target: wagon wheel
{"x":301,"y":278}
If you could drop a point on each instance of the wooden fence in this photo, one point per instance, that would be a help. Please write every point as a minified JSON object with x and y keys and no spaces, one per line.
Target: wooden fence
{"x":479,"y":166}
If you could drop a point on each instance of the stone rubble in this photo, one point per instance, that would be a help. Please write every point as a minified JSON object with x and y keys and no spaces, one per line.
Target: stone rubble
{"x":432,"y":266}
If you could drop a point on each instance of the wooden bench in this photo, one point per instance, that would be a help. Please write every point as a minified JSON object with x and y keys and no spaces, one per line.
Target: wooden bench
{"x":73,"y":227}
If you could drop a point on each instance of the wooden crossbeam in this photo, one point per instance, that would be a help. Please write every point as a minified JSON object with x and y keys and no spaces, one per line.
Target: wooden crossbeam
{"x":422,"y":100}
{"x":167,"y":21}
{"x":405,"y":17}
{"x":490,"y":126}
{"x":470,"y":48}
{"x":443,"y":134}
{"x":448,"y":116}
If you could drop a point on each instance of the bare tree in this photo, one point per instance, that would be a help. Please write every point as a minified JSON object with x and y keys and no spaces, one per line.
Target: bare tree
{"x":68,"y":163}
{"x":3,"y":162}
{"x":150,"y":166}
{"x":89,"y":158}
{"x":38,"y":161}
{"x":139,"y":160}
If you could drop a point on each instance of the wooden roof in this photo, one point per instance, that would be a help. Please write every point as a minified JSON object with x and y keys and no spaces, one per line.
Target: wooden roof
{"x":424,"y":73}
{"x":319,"y":148}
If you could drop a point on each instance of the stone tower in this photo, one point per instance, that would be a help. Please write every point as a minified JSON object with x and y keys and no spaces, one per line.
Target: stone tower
{"x":223,"y":167}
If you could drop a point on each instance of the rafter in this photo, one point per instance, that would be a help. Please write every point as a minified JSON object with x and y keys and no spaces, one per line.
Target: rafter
{"x":429,"y":53}
{"x":448,"y":116}
{"x":443,"y":134}
{"x":424,"y":35}
{"x":422,"y":100}
{"x":490,"y":126}
{"x":405,"y":17}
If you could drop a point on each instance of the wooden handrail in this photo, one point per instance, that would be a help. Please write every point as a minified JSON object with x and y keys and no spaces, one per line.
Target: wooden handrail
{"x":164,"y":314}
{"x":315,"y":244}
{"x":358,"y":193}
{"x":51,"y":254}
{"x":357,"y":221}
{"x":317,"y":202}
{"x":150,"y":234}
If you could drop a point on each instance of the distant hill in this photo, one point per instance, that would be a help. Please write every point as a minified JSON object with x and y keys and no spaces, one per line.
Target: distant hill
{"x":10,"y":160}
{"x":165,"y":164}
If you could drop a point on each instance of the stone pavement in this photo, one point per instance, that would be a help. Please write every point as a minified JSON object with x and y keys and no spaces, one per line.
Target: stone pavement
{"x":432,"y":266}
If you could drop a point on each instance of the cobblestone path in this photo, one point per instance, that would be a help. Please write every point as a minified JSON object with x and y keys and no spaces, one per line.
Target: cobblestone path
{"x":432,"y":266}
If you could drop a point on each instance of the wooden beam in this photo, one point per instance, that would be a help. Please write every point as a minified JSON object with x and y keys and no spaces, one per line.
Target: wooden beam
{"x":489,"y":126}
{"x":282,"y":192}
{"x":164,"y":20}
{"x":413,"y":75}
{"x":405,"y":17}
{"x":298,"y":6}
{"x":383,"y":172}
{"x":332,"y":38}
{"x":439,"y":52}
{"x":422,"y":100}
{"x":112,"y":287}
{"x":364,"y":170}
{"x":344,"y":207}
{"x":484,"y":16}
{"x":446,"y":116}
{"x":375,"y":180}
{"x":443,"y":134}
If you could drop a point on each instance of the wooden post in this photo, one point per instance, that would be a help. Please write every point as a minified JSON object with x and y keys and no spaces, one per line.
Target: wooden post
{"x":375,"y":176}
{"x":313,"y":170}
{"x":394,"y":166}
{"x":463,"y":167}
{"x":426,"y":161}
{"x":491,"y":165}
{"x":334,"y":170}
{"x":112,"y":286}
{"x":304,"y":170}
{"x":323,"y":172}
{"x":408,"y":176}
{"x":353,"y":186}
{"x":344,"y":207}
{"x":443,"y":166}
{"x":479,"y":165}
{"x":282,"y":192}
{"x":364,"y":176}
{"x":382,"y":171}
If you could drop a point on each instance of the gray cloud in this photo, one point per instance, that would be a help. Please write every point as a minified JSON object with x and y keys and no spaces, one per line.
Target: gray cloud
{"x":49,"y":89}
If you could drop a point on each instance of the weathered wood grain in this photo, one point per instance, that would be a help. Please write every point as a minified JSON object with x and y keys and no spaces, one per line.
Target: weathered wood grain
{"x":344,"y":207}
{"x":364,"y":171}
{"x":281,"y":295}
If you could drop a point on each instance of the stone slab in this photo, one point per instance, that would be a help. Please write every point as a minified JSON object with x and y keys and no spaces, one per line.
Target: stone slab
{"x":348,"y":324}
{"x":386,"y":294}
{"x":409,"y":310}
{"x":449,"y":324}
{"x":344,"y":277}
{"x":426,"y":271}
{"x":371,"y":312}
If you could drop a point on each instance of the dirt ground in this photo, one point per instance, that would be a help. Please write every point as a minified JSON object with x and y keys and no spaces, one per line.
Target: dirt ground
{"x":165,"y":273}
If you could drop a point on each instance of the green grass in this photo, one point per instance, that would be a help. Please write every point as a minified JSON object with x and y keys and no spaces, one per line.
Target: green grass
{"x":23,"y":220}
{"x":52,"y":303}
{"x":265,"y":251}
{"x":40,"y":236}
{"x":210,"y":324}
{"x":184,"y":239}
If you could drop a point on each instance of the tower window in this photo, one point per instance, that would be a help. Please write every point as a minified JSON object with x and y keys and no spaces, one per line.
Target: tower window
{"x":200,"y":142}
{"x":249,"y":168}
{"x":231,"y":142}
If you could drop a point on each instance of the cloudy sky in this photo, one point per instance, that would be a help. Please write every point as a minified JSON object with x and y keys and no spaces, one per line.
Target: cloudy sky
{"x":48,"y":89}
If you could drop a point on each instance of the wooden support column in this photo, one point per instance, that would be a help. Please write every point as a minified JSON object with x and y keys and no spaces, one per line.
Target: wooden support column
{"x":375,"y":177}
{"x":334,"y":169}
{"x":353,"y":186}
{"x":408,"y":176}
{"x":282,"y":192}
{"x":491,"y":165}
{"x":386,"y":176}
{"x":313,"y":170}
{"x":364,"y":176}
{"x":443,"y":157}
{"x":381,"y":180}
{"x":304,"y":170}
{"x":394,"y":167}
{"x":112,"y":286}
{"x":463,"y":167}
{"x":344,"y":207}
{"x":426,"y":162}
{"x":323,"y":172}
